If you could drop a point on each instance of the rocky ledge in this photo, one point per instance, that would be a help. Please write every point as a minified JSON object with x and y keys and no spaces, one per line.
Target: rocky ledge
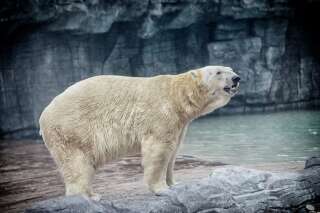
{"x":226,"y":189}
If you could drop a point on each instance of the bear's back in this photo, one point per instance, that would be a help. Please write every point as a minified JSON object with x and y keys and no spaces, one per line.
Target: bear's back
{"x":94,"y":98}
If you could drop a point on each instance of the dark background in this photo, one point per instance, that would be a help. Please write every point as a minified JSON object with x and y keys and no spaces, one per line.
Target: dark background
{"x":47,"y":45}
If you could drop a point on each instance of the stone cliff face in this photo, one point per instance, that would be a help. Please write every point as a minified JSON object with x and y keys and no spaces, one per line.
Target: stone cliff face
{"x":48,"y":45}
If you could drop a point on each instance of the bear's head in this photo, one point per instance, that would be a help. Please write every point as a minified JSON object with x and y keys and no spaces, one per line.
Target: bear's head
{"x":221,"y":84}
{"x":221,"y":80}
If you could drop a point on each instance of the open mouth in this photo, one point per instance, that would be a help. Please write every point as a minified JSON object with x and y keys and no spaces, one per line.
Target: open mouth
{"x":235,"y":85}
{"x":233,"y":89}
{"x":227,"y":89}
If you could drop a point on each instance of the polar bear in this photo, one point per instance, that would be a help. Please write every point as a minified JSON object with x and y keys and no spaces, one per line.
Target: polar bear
{"x":105,"y":117}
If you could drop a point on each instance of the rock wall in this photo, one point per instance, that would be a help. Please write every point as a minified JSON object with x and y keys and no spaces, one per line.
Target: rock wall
{"x":48,"y":45}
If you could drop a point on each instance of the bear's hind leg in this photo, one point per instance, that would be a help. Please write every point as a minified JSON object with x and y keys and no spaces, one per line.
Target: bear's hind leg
{"x":78,"y":174}
{"x":75,"y":167}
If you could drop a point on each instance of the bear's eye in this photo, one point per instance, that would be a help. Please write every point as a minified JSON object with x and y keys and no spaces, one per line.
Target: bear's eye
{"x":218,"y":73}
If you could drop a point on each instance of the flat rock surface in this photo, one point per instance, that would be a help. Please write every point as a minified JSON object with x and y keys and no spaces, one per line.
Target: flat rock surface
{"x":28,"y":174}
{"x":226,"y":189}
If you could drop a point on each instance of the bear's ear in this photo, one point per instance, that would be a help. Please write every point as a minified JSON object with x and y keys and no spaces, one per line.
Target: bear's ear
{"x":193,"y":75}
{"x":197,"y":77}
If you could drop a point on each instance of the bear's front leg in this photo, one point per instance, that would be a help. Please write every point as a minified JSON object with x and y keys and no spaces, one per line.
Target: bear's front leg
{"x":155,"y":158}
{"x":169,"y":177}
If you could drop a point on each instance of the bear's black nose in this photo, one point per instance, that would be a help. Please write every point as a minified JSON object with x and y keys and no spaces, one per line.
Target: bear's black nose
{"x":236,"y":79}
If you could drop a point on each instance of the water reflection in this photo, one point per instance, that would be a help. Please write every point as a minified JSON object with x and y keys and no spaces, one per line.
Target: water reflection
{"x":259,"y":138}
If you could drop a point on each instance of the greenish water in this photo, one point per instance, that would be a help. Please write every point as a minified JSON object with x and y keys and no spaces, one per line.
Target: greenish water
{"x":253,"y":139}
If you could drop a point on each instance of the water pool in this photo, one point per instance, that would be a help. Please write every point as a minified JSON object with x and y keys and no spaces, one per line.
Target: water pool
{"x":253,"y":139}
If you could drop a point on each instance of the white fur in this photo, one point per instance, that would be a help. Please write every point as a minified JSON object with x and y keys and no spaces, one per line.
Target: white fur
{"x":106,"y":117}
